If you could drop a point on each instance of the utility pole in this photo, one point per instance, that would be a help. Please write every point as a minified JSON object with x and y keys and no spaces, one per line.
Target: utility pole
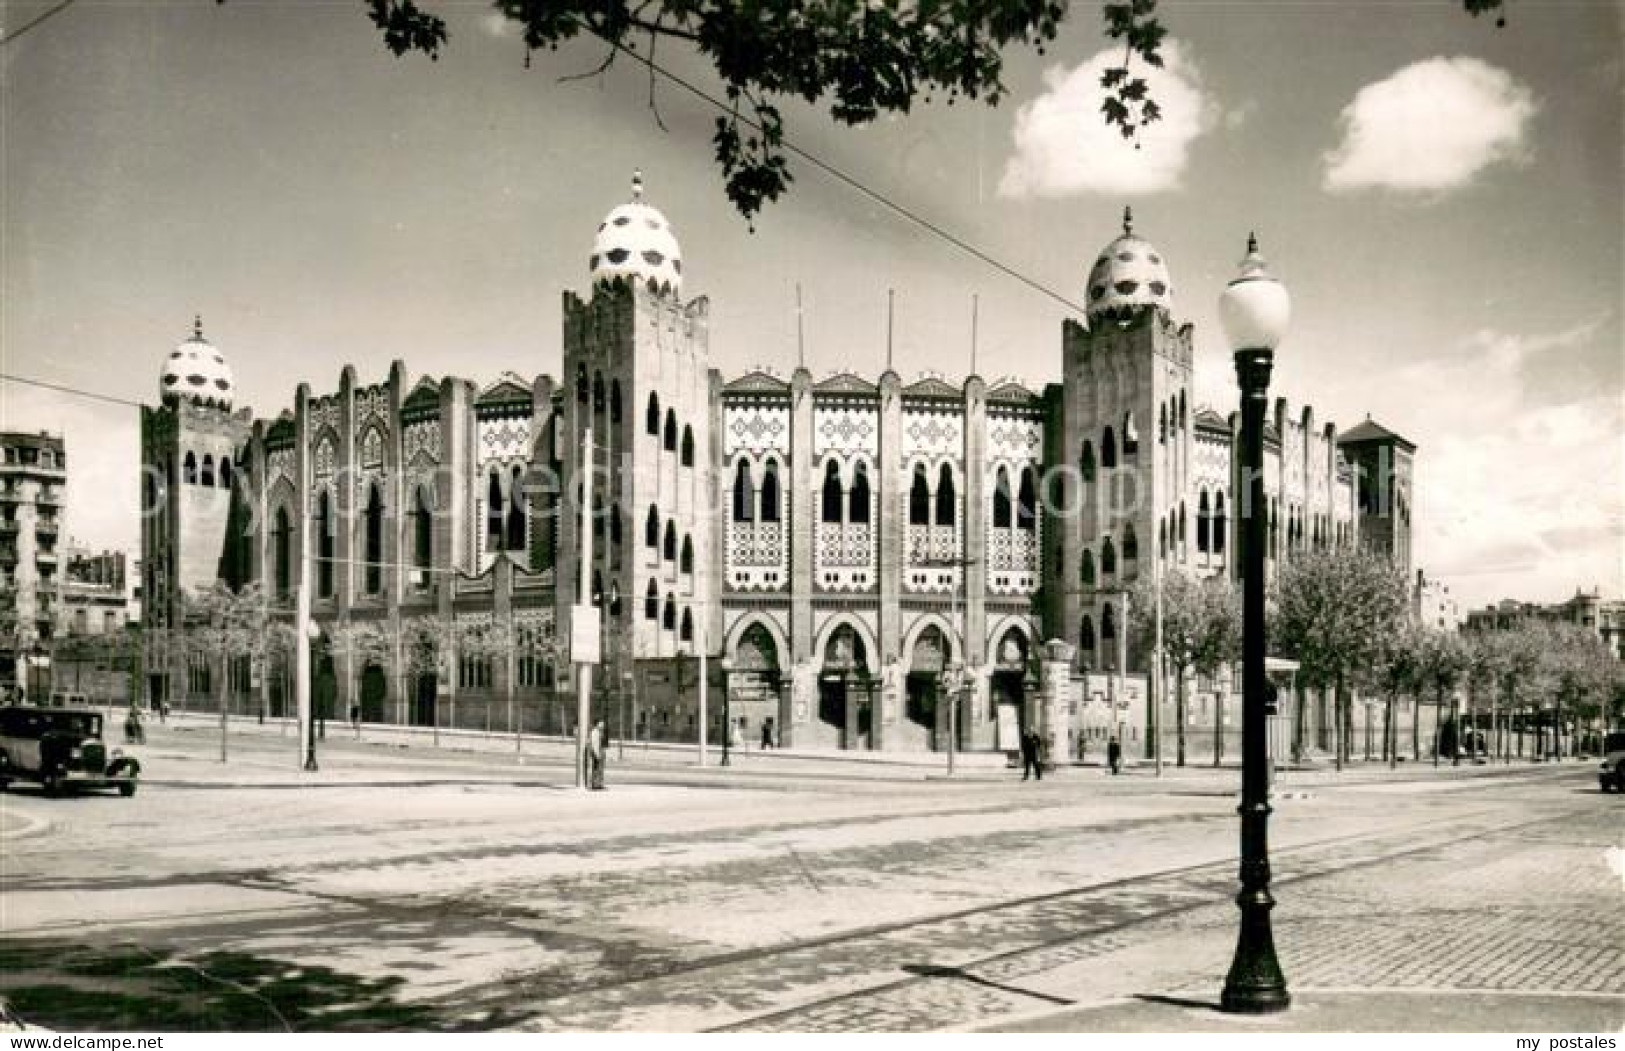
{"x":583,"y":666}
{"x":1157,"y":663}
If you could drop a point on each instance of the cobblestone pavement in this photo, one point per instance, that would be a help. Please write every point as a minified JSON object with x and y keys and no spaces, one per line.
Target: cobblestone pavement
{"x":809,"y":904}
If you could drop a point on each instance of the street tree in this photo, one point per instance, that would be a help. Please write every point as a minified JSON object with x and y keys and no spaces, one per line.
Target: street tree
{"x":1334,"y":611}
{"x":223,"y":623}
{"x":1394,"y":673}
{"x":861,"y":59}
{"x":1201,"y":631}
{"x":1445,"y":661}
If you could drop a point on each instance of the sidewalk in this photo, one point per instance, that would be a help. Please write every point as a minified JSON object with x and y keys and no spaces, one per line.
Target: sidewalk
{"x":1341,"y":1011}
{"x":411,"y":756}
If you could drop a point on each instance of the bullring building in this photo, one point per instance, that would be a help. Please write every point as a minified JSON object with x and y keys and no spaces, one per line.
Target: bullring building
{"x":833,"y":544}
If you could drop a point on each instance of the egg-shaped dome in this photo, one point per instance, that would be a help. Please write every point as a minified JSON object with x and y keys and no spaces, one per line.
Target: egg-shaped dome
{"x":636,"y":242}
{"x":197,"y":372}
{"x":1129,"y":273}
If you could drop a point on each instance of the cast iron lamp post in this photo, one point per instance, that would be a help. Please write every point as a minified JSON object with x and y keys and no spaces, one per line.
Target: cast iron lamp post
{"x":1254,"y":310}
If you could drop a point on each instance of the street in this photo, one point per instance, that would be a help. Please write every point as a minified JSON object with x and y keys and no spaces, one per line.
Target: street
{"x":422,"y":889}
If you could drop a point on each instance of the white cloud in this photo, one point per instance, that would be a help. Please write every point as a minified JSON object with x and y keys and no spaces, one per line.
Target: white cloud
{"x":496,"y":24}
{"x":1431,"y":126}
{"x":1063,"y":145}
{"x":1516,"y":496}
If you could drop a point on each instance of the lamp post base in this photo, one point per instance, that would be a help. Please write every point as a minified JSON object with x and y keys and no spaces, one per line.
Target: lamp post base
{"x":1255,"y":984}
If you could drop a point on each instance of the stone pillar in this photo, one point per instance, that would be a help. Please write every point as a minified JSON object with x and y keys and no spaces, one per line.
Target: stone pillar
{"x":889,"y":482}
{"x":975,"y":518}
{"x":1055,"y":698}
{"x":801,"y":663}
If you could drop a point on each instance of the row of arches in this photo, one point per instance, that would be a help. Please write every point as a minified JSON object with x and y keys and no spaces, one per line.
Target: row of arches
{"x":933,"y":506}
{"x":666,"y":613}
{"x":204,"y":472}
{"x":754,"y":502}
{"x":667,"y":431}
{"x":1171,"y":418}
{"x":666,"y":541}
{"x":370,"y":527}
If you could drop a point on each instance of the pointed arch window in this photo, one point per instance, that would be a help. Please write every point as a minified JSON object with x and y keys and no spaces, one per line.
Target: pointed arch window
{"x":494,"y":502}
{"x":206,"y":475}
{"x":1131,"y":544}
{"x":668,"y":549}
{"x":1162,"y":425}
{"x":651,"y":527}
{"x":1108,"y":449}
{"x":652,"y":419}
{"x":1108,"y":557}
{"x":1218,"y":524}
{"x":686,"y":632}
{"x":225,"y":472}
{"x":859,"y":512}
{"x":281,"y":542}
{"x":372,"y":543}
{"x":1086,"y":569}
{"x":830,"y":503}
{"x":688,"y":446}
{"x":189,"y":469}
{"x":516,"y":510}
{"x":770,"y":492}
{"x":742,"y":493}
{"x":685,"y":562}
{"x":1178,"y":539}
{"x":1086,"y":460}
{"x":671,"y":431}
{"x":668,"y":619}
{"x":1108,"y":622}
{"x":947,"y":498}
{"x":919,"y":498}
{"x":1162,"y":539}
{"x":651,"y":602}
{"x":1086,"y":634}
{"x":1027,"y":500}
{"x":1001,"y":500}
{"x":324,"y":545}
{"x":1204,"y":527}
{"x":422,"y":531}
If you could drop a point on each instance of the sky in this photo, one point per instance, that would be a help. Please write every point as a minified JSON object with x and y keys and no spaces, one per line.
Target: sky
{"x":1442,"y":198}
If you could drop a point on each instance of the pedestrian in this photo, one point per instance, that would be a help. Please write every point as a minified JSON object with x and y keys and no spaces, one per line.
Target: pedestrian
{"x":1031,"y":746}
{"x":1114,"y":756}
{"x":595,"y":756}
{"x":163,"y":710}
{"x":767,"y":733}
{"x":355,"y":717}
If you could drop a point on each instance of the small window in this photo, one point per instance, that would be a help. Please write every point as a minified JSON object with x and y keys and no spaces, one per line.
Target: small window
{"x":688,"y":447}
{"x":652,"y":420}
{"x":770,"y":492}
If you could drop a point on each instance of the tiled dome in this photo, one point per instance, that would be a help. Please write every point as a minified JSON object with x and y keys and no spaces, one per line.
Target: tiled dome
{"x":198,"y":372}
{"x":1129,"y":273}
{"x":636,"y":242}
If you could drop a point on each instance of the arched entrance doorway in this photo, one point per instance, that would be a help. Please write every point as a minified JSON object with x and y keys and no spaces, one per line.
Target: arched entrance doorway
{"x":753,"y":686}
{"x":374,"y":692}
{"x":846,"y":688}
{"x":1007,"y":691}
{"x":926,"y":709}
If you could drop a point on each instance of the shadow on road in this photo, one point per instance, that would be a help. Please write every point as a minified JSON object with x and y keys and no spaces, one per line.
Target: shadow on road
{"x":70,"y":986}
{"x":926,"y":970}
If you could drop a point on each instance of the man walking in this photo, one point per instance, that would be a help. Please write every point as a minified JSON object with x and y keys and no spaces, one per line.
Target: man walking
{"x":767,"y":733}
{"x":1114,"y":756}
{"x":1031,"y":746}
{"x":595,"y":756}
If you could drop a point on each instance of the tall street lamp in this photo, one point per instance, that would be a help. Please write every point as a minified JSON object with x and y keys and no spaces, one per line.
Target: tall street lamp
{"x":1254,"y":311}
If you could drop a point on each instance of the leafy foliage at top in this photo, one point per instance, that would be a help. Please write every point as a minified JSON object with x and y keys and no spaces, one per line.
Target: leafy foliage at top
{"x":862,"y":58}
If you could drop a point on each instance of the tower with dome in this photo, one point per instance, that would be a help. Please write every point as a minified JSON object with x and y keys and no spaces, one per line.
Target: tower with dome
{"x":839,"y":545}
{"x":190,"y":443}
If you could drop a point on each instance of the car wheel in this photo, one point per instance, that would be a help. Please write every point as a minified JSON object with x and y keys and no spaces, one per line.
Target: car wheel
{"x":127,"y":788}
{"x":52,"y":783}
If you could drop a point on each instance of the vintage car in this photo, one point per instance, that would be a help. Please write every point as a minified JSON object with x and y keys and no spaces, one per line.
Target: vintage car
{"x":1611,"y":775}
{"x":61,"y":748}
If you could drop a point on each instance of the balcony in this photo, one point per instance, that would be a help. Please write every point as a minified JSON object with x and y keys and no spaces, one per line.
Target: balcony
{"x":8,"y":527}
{"x":47,"y":528}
